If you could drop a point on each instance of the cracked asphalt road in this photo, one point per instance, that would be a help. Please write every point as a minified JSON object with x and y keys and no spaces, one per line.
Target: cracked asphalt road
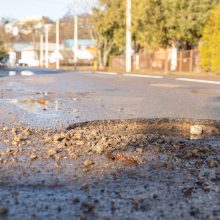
{"x":129,"y":169}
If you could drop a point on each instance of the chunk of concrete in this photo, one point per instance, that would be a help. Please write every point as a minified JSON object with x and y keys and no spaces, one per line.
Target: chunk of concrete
{"x":196,"y":130}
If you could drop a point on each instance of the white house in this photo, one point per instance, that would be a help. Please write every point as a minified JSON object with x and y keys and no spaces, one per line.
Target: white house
{"x":28,"y":54}
{"x":12,"y":28}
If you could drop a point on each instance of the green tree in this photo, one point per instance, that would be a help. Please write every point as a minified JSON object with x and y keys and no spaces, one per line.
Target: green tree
{"x":155,"y":24}
{"x":210,"y":43}
{"x":3,"y":51}
{"x":160,"y":23}
{"x":109,"y":26}
{"x":147,"y":22}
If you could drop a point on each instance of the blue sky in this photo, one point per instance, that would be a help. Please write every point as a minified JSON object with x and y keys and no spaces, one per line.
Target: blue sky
{"x":22,"y":9}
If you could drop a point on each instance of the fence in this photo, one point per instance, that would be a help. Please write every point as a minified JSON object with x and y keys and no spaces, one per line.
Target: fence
{"x":182,"y":61}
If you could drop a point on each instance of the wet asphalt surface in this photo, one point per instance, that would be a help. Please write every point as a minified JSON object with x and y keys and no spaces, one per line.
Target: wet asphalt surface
{"x":53,"y":168}
{"x":84,"y":96}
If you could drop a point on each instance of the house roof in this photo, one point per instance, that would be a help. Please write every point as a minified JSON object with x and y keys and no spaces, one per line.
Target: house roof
{"x":28,"y":46}
{"x":81,"y":42}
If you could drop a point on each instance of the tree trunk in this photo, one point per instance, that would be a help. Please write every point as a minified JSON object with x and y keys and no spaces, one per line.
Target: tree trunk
{"x":104,"y":50}
{"x":105,"y":58}
{"x":100,"y":60}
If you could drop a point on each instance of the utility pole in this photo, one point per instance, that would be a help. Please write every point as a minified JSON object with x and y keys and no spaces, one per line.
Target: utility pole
{"x":128,"y":36}
{"x":57,"y":44}
{"x":75,"y":38}
{"x":41,"y":50}
{"x":46,"y":47}
{"x":75,"y":47}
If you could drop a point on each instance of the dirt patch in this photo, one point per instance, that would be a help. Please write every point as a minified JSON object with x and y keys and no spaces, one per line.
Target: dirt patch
{"x":130,"y":169}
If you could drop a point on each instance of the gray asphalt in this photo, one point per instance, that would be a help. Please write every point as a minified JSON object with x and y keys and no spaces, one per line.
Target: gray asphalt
{"x":76,"y":96}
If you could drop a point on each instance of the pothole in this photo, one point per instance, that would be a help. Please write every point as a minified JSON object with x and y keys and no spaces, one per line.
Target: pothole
{"x":184,"y":128}
{"x":103,"y":143}
{"x":121,"y":162}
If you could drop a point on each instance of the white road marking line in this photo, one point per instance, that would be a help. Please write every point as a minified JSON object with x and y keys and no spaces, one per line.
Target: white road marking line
{"x":107,"y":73}
{"x":199,"y":81}
{"x":143,"y":76}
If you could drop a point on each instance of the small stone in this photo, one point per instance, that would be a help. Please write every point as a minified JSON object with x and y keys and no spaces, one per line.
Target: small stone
{"x":75,"y":110}
{"x":139,"y":150}
{"x":88,"y":163}
{"x":155,"y":196}
{"x":78,"y":135}
{"x":48,"y":139}
{"x":28,"y":142}
{"x":195,"y":152}
{"x":133,"y":140}
{"x":5,"y":129}
{"x":85,"y":187}
{"x":98,"y":148}
{"x":6,"y":141}
{"x":87,"y":207}
{"x":14,"y":143}
{"x":58,"y":157}
{"x":14,"y":130}
{"x":93,"y":133}
{"x":33,"y":156}
{"x":79,"y":143}
{"x":75,"y":178}
{"x":3,"y":211}
{"x":196,"y":130}
{"x":187,"y":192}
{"x":59,"y":209}
{"x":52,"y":152}
{"x":17,"y":138}
{"x":213,"y":163}
{"x":57,"y":137}
{"x":26,"y":132}
{"x":73,"y":156}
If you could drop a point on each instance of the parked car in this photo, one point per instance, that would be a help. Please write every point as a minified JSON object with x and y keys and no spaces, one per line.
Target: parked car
{"x":28,"y":62}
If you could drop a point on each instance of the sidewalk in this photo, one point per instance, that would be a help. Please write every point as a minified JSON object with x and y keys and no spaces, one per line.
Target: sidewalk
{"x":208,"y":76}
{"x":200,"y":75}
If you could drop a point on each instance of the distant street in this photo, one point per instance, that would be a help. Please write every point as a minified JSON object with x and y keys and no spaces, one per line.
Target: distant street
{"x":76,"y":96}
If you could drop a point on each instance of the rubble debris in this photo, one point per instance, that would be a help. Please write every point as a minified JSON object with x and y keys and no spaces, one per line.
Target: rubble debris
{"x":119,"y":156}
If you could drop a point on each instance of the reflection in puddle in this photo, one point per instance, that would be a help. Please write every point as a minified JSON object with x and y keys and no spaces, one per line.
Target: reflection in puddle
{"x":27,"y":73}
{"x":40,"y":107}
{"x":12,"y":73}
{"x":43,"y":108}
{"x":22,"y":73}
{"x":32,"y":101}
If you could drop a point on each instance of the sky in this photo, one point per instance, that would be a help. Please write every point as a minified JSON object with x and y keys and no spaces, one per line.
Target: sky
{"x":22,"y":9}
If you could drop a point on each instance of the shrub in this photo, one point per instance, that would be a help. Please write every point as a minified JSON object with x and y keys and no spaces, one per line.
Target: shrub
{"x":210,"y":43}
{"x":2,"y":50}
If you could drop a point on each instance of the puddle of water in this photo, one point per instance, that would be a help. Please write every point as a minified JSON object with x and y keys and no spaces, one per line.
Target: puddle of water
{"x":27,"y":73}
{"x":45,"y":109}
{"x":22,"y":73}
{"x":41,"y":107}
{"x":12,"y":73}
